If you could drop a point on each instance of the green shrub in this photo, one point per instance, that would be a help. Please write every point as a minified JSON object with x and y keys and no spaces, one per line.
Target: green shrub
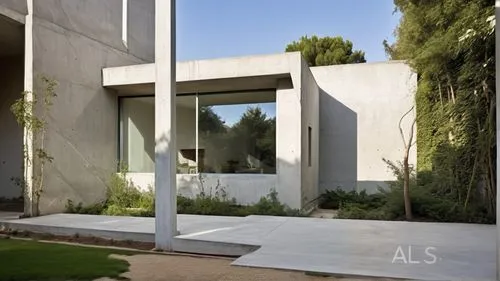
{"x":94,"y":209}
{"x":271,"y":206}
{"x":122,"y":192}
{"x":207,"y":205}
{"x":124,"y":199}
{"x":336,"y":199}
{"x":427,"y":203}
{"x":356,"y":211}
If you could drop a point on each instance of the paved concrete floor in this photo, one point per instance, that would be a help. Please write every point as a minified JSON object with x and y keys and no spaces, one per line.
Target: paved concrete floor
{"x":347,"y":247}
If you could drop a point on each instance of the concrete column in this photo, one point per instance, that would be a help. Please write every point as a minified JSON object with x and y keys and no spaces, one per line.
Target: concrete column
{"x":28,"y":88}
{"x":165,"y":148}
{"x":497,"y":66}
{"x":288,"y":145}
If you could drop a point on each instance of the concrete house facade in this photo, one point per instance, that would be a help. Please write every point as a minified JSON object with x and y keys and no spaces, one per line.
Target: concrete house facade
{"x":333,"y":124}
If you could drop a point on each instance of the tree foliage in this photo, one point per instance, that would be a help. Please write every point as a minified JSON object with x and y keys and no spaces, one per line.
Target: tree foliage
{"x":451,"y":45}
{"x":209,"y":121}
{"x":252,"y":138}
{"x":256,"y":131}
{"x":32,"y":111}
{"x":319,"y":51}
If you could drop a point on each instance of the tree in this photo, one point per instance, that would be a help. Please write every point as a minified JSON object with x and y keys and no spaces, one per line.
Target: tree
{"x":209,"y":121}
{"x":408,"y":143}
{"x":326,"y":50}
{"x":451,"y":45}
{"x":256,"y":132}
{"x":32,"y":111}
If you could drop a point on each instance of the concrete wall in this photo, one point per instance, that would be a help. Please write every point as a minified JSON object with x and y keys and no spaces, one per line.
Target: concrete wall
{"x":102,"y":21}
{"x":72,"y":42}
{"x":360,"y":106}
{"x":288,"y":136}
{"x":141,"y":28}
{"x":309,"y":144}
{"x":11,"y":134}
{"x":19,"y":6}
{"x":245,"y":188}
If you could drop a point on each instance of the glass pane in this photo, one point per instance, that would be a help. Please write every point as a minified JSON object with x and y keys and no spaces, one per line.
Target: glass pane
{"x":137,"y":136}
{"x":236,"y":138}
{"x":186,"y":134}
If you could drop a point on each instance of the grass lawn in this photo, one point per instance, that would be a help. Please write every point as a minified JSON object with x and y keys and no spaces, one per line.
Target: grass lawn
{"x":31,"y":260}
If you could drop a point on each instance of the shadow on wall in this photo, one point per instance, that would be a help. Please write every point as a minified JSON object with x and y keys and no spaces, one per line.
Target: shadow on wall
{"x":338,"y":144}
{"x":11,"y":134}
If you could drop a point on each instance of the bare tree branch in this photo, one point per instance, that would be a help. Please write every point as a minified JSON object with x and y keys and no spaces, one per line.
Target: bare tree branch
{"x":411,"y":132}
{"x":401,"y":129}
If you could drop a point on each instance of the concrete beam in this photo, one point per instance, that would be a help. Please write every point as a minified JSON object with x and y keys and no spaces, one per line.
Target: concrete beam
{"x":165,"y":146}
{"x":277,"y":66}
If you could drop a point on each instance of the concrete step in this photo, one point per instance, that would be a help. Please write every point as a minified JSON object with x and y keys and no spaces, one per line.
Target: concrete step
{"x":183,"y":245}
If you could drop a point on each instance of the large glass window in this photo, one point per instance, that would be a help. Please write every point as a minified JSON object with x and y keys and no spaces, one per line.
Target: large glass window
{"x":216,"y":133}
{"x":137,"y":134}
{"x":237,"y":138}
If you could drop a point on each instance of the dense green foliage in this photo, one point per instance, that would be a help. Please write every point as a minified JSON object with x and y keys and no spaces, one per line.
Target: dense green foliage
{"x":209,"y":121}
{"x":389,"y":203}
{"x":451,"y":45}
{"x":319,"y":51}
{"x":30,"y":260}
{"x":124,"y":199}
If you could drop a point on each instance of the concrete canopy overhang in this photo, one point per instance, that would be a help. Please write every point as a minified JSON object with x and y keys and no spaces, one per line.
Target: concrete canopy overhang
{"x":253,"y":78}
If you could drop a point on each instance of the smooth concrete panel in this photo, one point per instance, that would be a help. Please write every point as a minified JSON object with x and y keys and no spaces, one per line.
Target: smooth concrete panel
{"x":244,"y":188}
{"x":288,"y":143}
{"x":19,"y":6}
{"x":338,"y":143}
{"x":141,"y":29}
{"x":83,"y":122}
{"x":11,"y":134}
{"x":279,"y":65}
{"x":96,"y":19}
{"x":309,"y":136}
{"x":376,"y":95}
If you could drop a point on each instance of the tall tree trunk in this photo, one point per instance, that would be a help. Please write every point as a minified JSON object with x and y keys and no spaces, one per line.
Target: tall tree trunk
{"x":406,"y":166}
{"x":406,"y":185}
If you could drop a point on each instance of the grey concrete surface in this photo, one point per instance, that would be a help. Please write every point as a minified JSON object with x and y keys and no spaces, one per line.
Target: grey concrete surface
{"x":345,"y":247}
{"x":19,"y":6}
{"x":360,"y":107}
{"x":367,"y":248}
{"x":72,"y":42}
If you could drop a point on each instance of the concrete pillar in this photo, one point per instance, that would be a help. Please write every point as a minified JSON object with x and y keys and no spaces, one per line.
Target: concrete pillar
{"x":288,"y":145}
{"x":165,"y":147}
{"x":28,"y":88}
{"x":497,"y":66}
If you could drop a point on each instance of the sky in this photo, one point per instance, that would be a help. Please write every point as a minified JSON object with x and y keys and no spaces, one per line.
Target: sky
{"x":226,"y":28}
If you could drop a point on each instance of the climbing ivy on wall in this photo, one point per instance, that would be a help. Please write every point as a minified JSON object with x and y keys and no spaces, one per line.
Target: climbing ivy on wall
{"x":451,"y":45}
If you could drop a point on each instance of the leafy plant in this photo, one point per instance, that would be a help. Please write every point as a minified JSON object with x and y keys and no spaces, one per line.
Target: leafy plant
{"x":451,"y":45}
{"x":426,"y":202}
{"x":124,"y":199}
{"x":31,"y":112}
